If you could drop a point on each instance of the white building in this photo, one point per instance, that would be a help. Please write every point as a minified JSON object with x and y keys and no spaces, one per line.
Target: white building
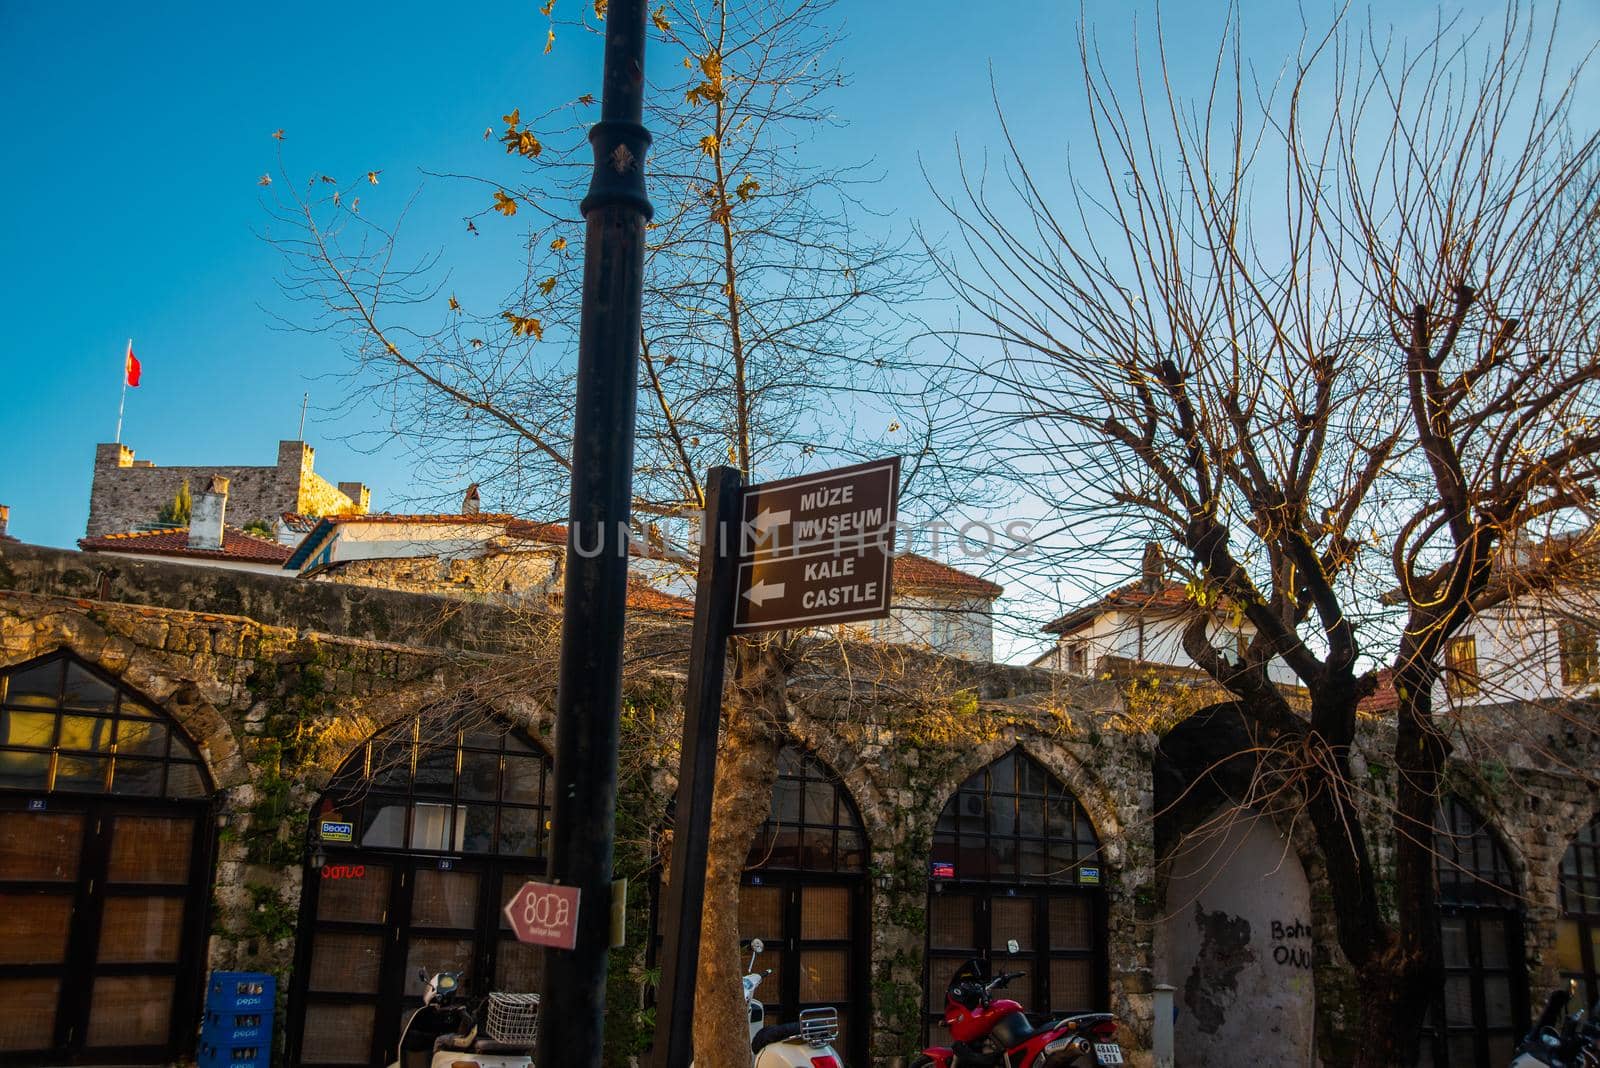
{"x":1543,"y":645}
{"x":1141,"y":625}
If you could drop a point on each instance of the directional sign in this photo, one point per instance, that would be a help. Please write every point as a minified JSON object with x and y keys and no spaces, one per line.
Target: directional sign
{"x":818,"y":548}
{"x":545,"y":914}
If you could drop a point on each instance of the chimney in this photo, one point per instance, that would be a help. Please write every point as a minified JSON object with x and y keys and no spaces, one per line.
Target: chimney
{"x":206,"y":514}
{"x":469,"y":503}
{"x":1153,"y":569}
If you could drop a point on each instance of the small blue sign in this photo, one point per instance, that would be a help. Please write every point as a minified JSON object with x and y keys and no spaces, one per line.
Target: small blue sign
{"x":1088,"y":876}
{"x":36,"y":804}
{"x":446,"y":863}
{"x":334,"y":831}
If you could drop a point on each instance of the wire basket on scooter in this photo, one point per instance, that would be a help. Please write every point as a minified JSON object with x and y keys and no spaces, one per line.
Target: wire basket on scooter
{"x":513,"y":1018}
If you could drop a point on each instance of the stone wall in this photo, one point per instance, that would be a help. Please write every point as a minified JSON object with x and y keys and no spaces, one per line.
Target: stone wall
{"x":280,"y":680}
{"x":506,"y":576}
{"x":127,"y":494}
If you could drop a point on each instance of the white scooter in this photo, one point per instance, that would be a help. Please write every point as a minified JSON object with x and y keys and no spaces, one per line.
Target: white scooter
{"x":806,"y":1043}
{"x":444,"y":1033}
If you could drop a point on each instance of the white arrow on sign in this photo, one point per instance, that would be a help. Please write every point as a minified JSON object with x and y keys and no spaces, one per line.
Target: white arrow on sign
{"x":769,"y":519}
{"x":764,"y":591}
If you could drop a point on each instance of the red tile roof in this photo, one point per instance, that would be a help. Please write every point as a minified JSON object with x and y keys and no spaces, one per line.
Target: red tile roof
{"x":174,"y":541}
{"x":300,"y":524}
{"x":646,"y":598}
{"x":1382,"y":700}
{"x":534,"y":530}
{"x":913,"y":572}
{"x":1134,"y":597}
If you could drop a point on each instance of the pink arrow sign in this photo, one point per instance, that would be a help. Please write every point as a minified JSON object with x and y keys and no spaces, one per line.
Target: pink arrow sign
{"x":545,"y":915}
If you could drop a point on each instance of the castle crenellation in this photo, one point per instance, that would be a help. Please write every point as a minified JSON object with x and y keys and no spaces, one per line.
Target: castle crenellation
{"x":127,"y":493}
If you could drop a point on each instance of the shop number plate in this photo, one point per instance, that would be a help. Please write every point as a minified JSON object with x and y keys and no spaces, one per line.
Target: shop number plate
{"x":1107,"y":1053}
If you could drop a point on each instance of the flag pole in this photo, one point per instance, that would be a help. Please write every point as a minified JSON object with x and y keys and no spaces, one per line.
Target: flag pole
{"x":121,"y":404}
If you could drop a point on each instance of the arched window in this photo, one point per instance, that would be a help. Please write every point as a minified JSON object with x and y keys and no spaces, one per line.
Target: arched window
{"x":1015,"y":858}
{"x":805,"y":895}
{"x":106,"y":846}
{"x":64,"y":727}
{"x":425,"y":832}
{"x":1014,"y":822}
{"x":813,"y":825}
{"x":1484,"y":1000}
{"x":446,"y":785}
{"x":1576,"y":952}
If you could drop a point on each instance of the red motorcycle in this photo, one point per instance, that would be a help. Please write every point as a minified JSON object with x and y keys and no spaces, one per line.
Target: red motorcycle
{"x":990,"y":1032}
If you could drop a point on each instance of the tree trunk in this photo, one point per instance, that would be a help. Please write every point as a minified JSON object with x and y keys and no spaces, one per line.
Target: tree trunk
{"x":1390,"y":1024}
{"x":746,"y":768}
{"x":1420,"y":753}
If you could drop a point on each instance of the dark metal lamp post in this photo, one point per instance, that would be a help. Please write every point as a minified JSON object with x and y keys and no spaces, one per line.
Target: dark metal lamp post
{"x":589,"y":697}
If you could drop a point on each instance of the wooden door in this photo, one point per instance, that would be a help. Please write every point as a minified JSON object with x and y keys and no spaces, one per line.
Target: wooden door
{"x":102,"y":930}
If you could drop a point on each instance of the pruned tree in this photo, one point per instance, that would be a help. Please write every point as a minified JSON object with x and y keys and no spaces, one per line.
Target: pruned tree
{"x":1327,"y":337}
{"x":773,"y":339}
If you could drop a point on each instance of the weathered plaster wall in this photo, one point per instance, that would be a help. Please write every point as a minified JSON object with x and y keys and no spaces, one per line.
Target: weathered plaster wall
{"x":1236,"y":941}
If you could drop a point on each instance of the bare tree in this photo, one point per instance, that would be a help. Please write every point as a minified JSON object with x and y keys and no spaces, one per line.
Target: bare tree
{"x":773,"y":339}
{"x":1326,"y":337}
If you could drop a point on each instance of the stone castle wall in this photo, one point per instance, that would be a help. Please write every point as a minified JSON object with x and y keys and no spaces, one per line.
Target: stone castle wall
{"x":280,"y":681}
{"x":127,"y":494}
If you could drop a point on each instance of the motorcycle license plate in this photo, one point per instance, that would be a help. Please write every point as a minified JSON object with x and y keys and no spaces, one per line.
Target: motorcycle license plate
{"x":1107,"y":1053}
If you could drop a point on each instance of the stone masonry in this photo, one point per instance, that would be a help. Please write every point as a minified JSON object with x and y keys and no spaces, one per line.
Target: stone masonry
{"x":127,"y":494}
{"x":279,"y":681}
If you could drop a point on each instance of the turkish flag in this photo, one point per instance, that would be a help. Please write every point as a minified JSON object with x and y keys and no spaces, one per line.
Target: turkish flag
{"x":131,"y":367}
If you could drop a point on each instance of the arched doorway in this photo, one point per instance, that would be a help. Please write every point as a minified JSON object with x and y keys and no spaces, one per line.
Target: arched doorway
{"x":1015,"y":857}
{"x":1483,"y":1002}
{"x":1576,"y":949}
{"x":1235,"y":939}
{"x":805,"y":895}
{"x":106,"y":841}
{"x":424,"y":833}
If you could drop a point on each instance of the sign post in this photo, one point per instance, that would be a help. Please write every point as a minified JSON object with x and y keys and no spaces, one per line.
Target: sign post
{"x":802,"y":552}
{"x":697,"y":770}
{"x":818,"y":548}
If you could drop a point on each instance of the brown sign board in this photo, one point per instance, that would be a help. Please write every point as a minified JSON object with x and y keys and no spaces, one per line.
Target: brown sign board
{"x":545,"y":914}
{"x":818,"y":549}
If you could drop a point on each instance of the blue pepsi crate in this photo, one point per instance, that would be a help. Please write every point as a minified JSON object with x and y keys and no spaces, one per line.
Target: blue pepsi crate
{"x":236,"y":1028}
{"x":241,"y":992}
{"x":229,"y":1055}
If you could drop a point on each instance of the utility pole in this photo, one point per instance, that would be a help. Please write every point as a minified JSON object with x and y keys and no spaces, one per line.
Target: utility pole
{"x":589,"y":696}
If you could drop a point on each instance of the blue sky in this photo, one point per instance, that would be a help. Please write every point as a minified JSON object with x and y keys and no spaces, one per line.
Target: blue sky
{"x":137,"y":133}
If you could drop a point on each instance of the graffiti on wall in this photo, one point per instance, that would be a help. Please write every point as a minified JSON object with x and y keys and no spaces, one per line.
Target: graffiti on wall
{"x":1291,"y":944}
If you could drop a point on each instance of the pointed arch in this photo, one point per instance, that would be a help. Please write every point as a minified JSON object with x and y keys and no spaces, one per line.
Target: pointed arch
{"x":106,"y":844}
{"x":66,"y":726}
{"x":463,"y":782}
{"x":1577,"y":954}
{"x":424,"y":832}
{"x":1481,"y":1008}
{"x":806,"y":895}
{"x":1012,"y":821}
{"x":1016,"y":859}
{"x":814,"y":823}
